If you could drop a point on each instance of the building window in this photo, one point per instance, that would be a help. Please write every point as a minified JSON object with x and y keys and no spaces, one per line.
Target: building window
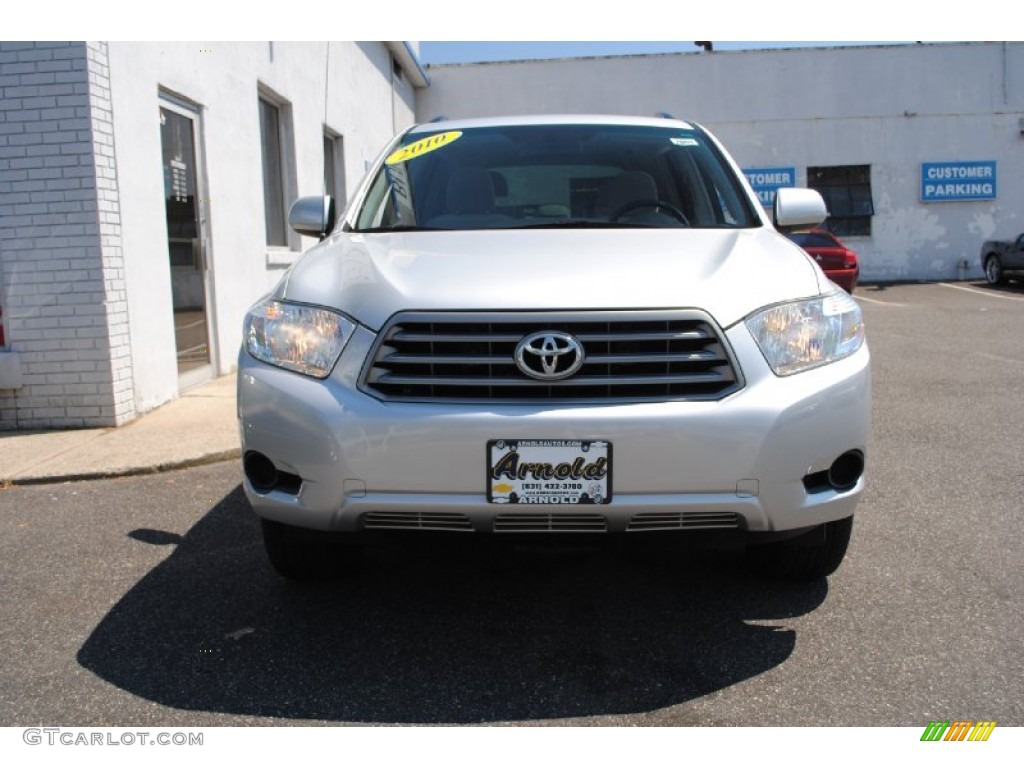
{"x":334,"y":168}
{"x":847,"y":193}
{"x":273,"y":173}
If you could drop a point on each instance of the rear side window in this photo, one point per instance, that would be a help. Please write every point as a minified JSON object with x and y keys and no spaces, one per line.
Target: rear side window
{"x":550,"y":175}
{"x":813,"y":240}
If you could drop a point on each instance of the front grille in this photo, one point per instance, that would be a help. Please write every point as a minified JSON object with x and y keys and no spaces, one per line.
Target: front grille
{"x":418,"y":521}
{"x":683,"y":521}
{"x":555,"y":522}
{"x":628,"y":357}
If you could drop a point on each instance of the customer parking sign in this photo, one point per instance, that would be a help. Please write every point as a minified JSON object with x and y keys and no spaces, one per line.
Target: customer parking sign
{"x":766,"y":181}
{"x":964,"y":180}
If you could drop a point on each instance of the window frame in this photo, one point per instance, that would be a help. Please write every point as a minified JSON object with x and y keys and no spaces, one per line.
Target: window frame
{"x":845,"y":189}
{"x":336,"y":185}
{"x":285,"y":146}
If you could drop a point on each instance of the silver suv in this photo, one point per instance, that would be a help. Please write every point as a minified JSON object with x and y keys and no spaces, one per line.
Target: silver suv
{"x":573,"y":324}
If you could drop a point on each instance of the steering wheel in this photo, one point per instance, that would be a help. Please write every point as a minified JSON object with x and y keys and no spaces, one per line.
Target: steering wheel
{"x":658,"y":204}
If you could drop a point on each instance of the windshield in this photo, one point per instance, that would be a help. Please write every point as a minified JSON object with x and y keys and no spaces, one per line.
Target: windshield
{"x":516,"y":177}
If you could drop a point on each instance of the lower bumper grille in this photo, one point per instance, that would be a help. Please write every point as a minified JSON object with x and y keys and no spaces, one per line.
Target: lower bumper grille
{"x":550,"y":522}
{"x":419,"y":521}
{"x":683,"y":521}
{"x":533,"y":522}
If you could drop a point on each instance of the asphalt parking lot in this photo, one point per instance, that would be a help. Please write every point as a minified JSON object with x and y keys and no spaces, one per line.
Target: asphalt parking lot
{"x":148,"y":600}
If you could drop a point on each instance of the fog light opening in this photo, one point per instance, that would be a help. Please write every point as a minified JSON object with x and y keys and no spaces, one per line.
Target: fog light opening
{"x":261,"y":471}
{"x":846,"y":470}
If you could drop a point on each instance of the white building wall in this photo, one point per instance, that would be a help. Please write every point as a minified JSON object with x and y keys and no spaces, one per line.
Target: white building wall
{"x":112,"y":338}
{"x":224,"y":80}
{"x":85,"y":278}
{"x":890,"y":107}
{"x":61,"y":273}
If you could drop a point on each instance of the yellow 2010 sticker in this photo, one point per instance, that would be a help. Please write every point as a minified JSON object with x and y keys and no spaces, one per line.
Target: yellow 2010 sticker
{"x":421,"y":147}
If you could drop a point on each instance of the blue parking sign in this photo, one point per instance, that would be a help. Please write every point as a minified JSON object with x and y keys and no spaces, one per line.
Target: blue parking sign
{"x":765,"y":181}
{"x":962,"y":180}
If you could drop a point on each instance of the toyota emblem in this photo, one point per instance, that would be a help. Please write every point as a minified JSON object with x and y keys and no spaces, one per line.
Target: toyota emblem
{"x":549,"y":355}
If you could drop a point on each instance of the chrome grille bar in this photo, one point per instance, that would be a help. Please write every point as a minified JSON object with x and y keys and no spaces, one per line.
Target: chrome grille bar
{"x":533,"y":522}
{"x":420,"y":521}
{"x":575,"y":381}
{"x":689,"y":521}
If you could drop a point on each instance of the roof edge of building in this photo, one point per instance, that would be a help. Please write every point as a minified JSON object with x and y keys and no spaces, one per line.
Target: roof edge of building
{"x":406,"y":55}
{"x":548,"y":59}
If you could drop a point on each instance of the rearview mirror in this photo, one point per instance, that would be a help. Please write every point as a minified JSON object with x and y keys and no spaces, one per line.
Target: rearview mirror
{"x":313,"y":216}
{"x":798,"y":208}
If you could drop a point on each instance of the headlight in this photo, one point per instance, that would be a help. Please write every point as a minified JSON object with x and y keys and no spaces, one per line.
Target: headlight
{"x":806,"y":334}
{"x":300,"y":338}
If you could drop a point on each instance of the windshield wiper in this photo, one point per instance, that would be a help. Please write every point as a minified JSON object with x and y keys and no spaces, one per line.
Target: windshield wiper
{"x":402,"y":228}
{"x":585,"y":224}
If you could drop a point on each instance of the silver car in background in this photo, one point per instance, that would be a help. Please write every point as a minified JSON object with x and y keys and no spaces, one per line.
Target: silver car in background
{"x":575,"y":324}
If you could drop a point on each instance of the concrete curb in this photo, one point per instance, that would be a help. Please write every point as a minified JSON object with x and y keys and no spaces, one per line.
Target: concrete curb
{"x":199,"y":427}
{"x":107,"y":474}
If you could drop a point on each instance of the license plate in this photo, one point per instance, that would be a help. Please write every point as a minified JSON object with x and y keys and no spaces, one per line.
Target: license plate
{"x":549,"y":471}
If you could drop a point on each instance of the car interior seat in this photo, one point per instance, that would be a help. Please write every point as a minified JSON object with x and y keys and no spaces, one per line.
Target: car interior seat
{"x":628,"y":187}
{"x":470,"y":191}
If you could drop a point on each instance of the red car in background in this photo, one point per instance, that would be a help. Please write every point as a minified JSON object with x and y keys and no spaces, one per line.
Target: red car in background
{"x":838,"y":262}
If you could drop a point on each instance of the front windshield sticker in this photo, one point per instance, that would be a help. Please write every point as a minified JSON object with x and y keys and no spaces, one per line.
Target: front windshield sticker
{"x":421,"y":147}
{"x":681,"y":142}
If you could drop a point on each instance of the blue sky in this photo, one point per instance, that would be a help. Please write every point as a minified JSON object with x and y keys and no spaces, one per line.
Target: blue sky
{"x":417,"y":20}
{"x":451,"y":52}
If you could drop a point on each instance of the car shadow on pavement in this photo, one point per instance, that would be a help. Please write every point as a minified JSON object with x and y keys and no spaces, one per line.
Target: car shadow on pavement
{"x":436,"y":632}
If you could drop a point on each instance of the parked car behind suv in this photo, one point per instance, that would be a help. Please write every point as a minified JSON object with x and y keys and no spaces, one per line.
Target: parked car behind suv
{"x":838,"y":262}
{"x":580,"y":324}
{"x":1002,"y":259}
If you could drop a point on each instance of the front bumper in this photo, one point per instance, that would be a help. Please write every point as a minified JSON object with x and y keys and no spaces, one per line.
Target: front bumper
{"x":742,"y":458}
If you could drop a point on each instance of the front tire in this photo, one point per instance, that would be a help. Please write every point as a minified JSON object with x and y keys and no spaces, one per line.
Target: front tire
{"x":808,"y":557}
{"x":994,"y":271}
{"x":301,"y":555}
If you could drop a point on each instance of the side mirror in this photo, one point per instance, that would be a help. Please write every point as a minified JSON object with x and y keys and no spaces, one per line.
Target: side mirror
{"x":798,"y":208}
{"x":313,"y":216}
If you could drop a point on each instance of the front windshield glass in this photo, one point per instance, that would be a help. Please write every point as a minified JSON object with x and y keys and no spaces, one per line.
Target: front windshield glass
{"x":517,"y":177}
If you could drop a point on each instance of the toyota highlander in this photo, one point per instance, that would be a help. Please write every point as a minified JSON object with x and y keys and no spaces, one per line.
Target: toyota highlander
{"x":583,"y":325}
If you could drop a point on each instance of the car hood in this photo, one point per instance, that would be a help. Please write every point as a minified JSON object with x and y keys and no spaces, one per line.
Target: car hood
{"x":727,"y":273}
